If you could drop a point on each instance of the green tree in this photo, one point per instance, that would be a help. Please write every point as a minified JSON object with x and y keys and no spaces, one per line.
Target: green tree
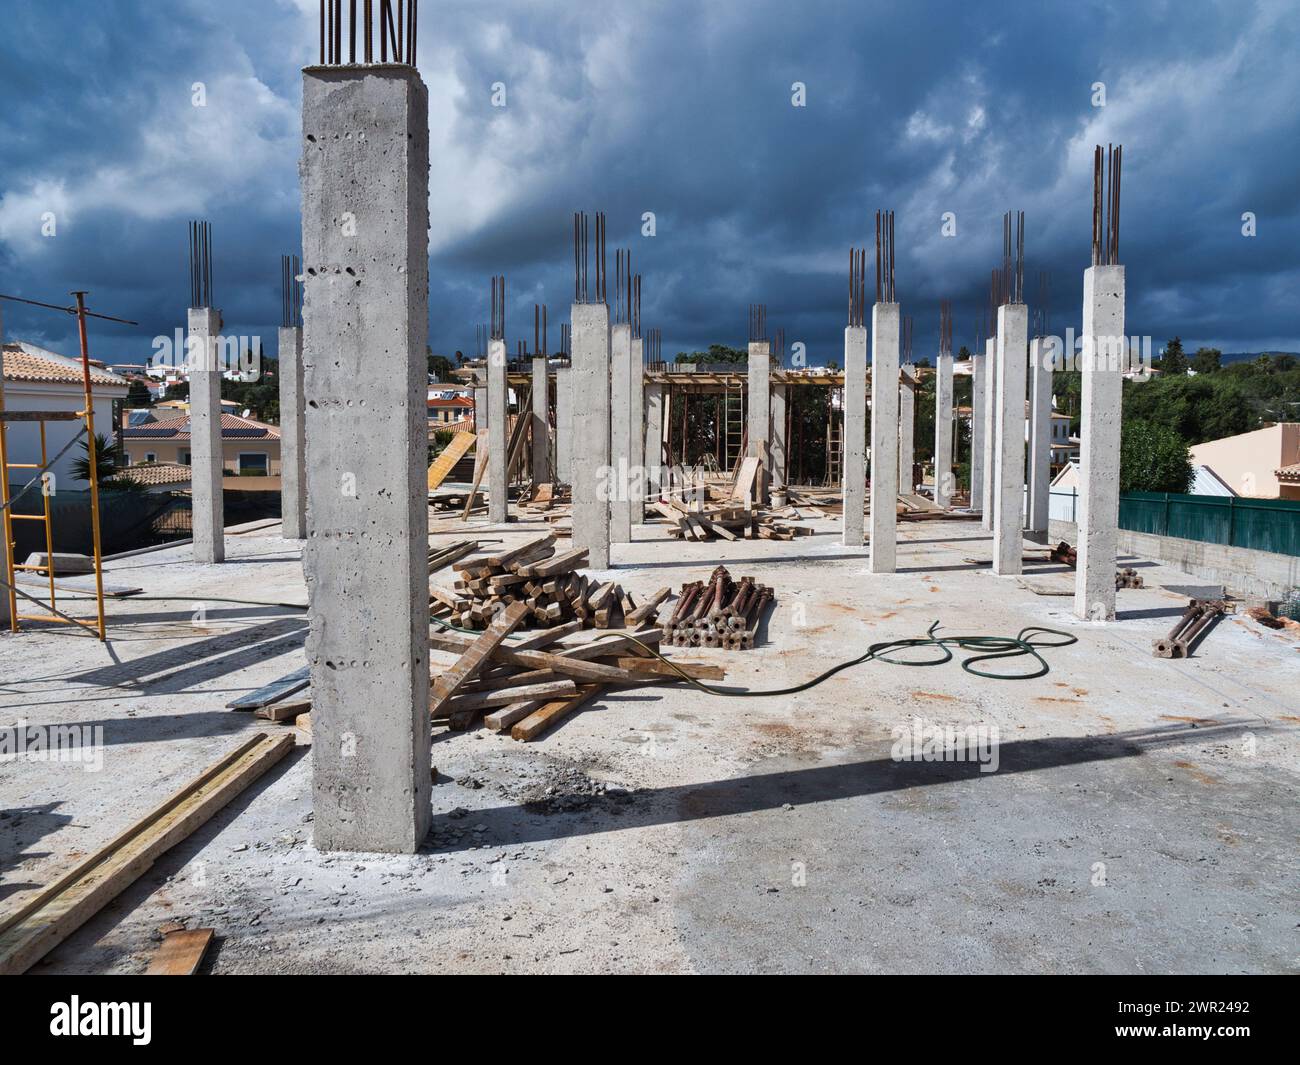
{"x":439,"y":365}
{"x":1153,"y":458}
{"x":105,"y":460}
{"x":1206,"y":360}
{"x":1173,"y":361}
{"x":138,"y":395}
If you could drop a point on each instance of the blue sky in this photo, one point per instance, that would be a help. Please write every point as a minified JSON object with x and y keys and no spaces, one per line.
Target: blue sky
{"x":684,"y":109}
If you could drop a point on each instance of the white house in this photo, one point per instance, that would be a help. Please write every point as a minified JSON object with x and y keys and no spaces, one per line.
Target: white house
{"x":39,"y":380}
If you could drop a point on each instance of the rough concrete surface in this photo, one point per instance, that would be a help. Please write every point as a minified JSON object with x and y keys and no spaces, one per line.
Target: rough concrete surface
{"x":1143,"y":817}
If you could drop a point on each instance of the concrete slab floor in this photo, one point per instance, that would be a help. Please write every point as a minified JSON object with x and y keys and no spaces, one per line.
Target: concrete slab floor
{"x":1143,"y":817}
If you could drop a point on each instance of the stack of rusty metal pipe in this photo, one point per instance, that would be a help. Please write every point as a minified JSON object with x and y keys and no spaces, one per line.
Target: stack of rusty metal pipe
{"x":718,"y":613}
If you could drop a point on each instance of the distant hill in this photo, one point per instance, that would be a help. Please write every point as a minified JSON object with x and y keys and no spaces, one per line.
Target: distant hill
{"x":1247,"y":356}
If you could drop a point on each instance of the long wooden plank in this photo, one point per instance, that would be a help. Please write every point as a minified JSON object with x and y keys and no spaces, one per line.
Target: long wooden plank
{"x":447,"y":682}
{"x":446,"y":461}
{"x":647,"y":608}
{"x":480,"y":468}
{"x":286,"y":686}
{"x":551,"y":714}
{"x":698,"y":670}
{"x":579,"y":668}
{"x":508,"y":715}
{"x":454,"y":553}
{"x":555,"y":689}
{"x":181,"y":953}
{"x":570,"y":560}
{"x":41,"y":922}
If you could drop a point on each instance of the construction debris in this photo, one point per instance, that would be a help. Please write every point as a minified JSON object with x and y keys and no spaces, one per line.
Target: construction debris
{"x":720,"y":613}
{"x":1198,"y":617}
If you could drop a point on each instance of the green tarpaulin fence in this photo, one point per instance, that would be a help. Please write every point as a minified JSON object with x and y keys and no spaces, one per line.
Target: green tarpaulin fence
{"x":1259,"y":524}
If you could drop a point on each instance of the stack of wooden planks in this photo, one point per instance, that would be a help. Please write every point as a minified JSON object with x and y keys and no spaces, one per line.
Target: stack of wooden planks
{"x":548,"y":584}
{"x":719,"y":613}
{"x":725,"y":521}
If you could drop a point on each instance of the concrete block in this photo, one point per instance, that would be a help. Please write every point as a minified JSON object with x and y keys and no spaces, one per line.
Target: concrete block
{"x":1040,"y":440}
{"x":854,"y":466}
{"x":620,"y":430}
{"x":206,"y":452}
{"x":590,"y":340}
{"x":293,"y":436}
{"x":1104,"y":358}
{"x":906,"y":428}
{"x":366,"y":154}
{"x":943,"y":481}
{"x":498,"y":433}
{"x":1009,"y":431}
{"x":884,"y":437}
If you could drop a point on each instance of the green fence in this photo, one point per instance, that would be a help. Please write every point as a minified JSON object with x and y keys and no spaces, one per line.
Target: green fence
{"x":1259,"y":524}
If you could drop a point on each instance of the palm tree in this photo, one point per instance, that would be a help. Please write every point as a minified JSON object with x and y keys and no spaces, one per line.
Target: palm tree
{"x":105,"y":460}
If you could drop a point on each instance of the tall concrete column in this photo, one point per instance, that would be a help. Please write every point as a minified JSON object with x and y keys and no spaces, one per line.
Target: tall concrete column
{"x":654,"y":436}
{"x":854,"y":467}
{"x":498,"y":385}
{"x":1104,"y":359}
{"x":989,"y":467}
{"x":481,"y":418}
{"x":978,"y":386}
{"x":884,"y":438}
{"x":943,"y":483}
{"x":636,"y":389}
{"x":779,"y":448}
{"x":366,"y":556}
{"x":1040,"y":440}
{"x":1009,"y":494}
{"x":591,"y":437}
{"x":564,"y":424}
{"x":906,"y":428}
{"x":293,"y":451}
{"x":620,"y":430}
{"x":760,"y":414}
{"x":206,"y":454}
{"x":541,"y":421}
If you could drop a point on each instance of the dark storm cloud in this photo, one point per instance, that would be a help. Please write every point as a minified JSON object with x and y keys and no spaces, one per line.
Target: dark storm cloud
{"x":683,"y":109}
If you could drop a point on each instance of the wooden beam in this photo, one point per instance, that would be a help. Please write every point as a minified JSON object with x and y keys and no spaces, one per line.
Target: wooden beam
{"x":181,"y":953}
{"x":447,"y":682}
{"x":552,"y":713}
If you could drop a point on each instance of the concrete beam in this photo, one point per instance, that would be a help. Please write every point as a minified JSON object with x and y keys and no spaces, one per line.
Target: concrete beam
{"x":759,"y":431}
{"x":779,"y":448}
{"x":989,"y":465}
{"x":1040,"y":440}
{"x":636,"y":389}
{"x":979,"y":385}
{"x":1009,"y":494}
{"x":884,"y":438}
{"x":564,"y":424}
{"x":1103,"y":361}
{"x":943,"y":480}
{"x":620,"y":431}
{"x":854,"y":466}
{"x":293,"y":437}
{"x":206,"y":453}
{"x":366,"y":559}
{"x":591,"y":436}
{"x":906,"y":428}
{"x":498,"y":389}
{"x":541,"y":421}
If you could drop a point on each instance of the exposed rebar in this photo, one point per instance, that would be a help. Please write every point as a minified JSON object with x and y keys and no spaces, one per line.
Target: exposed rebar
{"x":398,"y":32}
{"x":290,"y":292}
{"x":200,"y":264}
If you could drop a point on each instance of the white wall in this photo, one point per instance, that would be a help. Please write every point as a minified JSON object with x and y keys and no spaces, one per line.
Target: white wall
{"x":24,"y":438}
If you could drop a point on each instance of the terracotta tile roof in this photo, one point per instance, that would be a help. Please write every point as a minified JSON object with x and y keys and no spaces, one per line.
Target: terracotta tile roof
{"x":232,"y":428}
{"x":22,"y":364}
{"x":158,"y":473}
{"x":455,"y":401}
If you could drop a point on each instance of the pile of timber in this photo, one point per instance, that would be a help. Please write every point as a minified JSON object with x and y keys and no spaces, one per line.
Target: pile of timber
{"x":720,"y":613}
{"x":549,"y":585}
{"x":725,"y":521}
{"x":520,"y":687}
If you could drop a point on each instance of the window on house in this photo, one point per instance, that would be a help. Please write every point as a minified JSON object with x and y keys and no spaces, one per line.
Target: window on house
{"x":253,"y":463}
{"x":185,"y":458}
{"x":150,"y":456}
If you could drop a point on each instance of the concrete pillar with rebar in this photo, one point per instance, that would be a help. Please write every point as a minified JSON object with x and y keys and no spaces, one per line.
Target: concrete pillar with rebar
{"x":760,"y":414}
{"x":366,"y":558}
{"x":207,"y":461}
{"x":779,"y":448}
{"x":1040,"y":440}
{"x":906,"y":427}
{"x":943,"y":481}
{"x":591,"y":432}
{"x":636,"y":390}
{"x":978,"y":386}
{"x":1009,"y":433}
{"x":564,"y":424}
{"x":620,"y":423}
{"x":293,"y":441}
{"x":541,"y":426}
{"x":884,"y":437}
{"x":654,"y":437}
{"x":855,"y":434}
{"x":989,"y":451}
{"x":498,"y":389}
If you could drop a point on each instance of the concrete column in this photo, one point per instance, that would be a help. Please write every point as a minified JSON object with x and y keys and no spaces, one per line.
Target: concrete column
{"x":293,"y":452}
{"x":541,"y":421}
{"x":206,"y":453}
{"x":620,"y":431}
{"x":760,"y":414}
{"x":1104,"y":359}
{"x":1009,"y":495}
{"x":654,"y":435}
{"x":989,"y":468}
{"x":564,"y":425}
{"x":906,"y":428}
{"x":854,"y":466}
{"x":480,"y":404}
{"x":943,"y":483}
{"x":1040,"y":440}
{"x":636,"y":386}
{"x":498,"y":386}
{"x":979,"y":385}
{"x":366,"y":556}
{"x":778,"y":437}
{"x":884,"y":438}
{"x":591,"y":437}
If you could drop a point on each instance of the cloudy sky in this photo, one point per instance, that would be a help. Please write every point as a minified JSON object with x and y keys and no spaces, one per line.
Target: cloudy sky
{"x":682,"y":108}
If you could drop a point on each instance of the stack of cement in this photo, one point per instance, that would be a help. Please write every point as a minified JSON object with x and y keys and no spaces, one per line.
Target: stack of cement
{"x":549,"y":584}
{"x":722,"y":613}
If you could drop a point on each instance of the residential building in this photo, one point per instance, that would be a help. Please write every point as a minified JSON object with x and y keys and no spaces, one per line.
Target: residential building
{"x":1264,"y":464}
{"x":250,"y":449}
